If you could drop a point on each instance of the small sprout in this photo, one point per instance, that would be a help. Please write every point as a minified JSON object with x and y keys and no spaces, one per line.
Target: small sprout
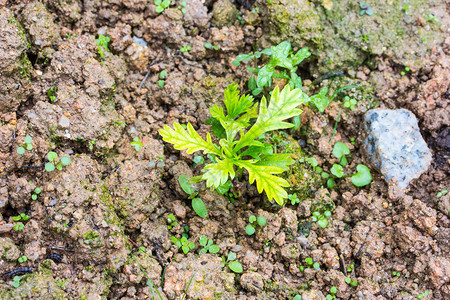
{"x":199,"y":207}
{"x":350,"y":102}
{"x":362,"y":176}
{"x":51,"y":165}
{"x":249,"y":229}
{"x":102,"y":43}
{"x":337,"y":170}
{"x":26,"y":145}
{"x":19,"y":226}
{"x":403,"y":73}
{"x":16,"y":282}
{"x":349,"y":281}
{"x":161,"y":5}
{"x":162,"y":78}
{"x":420,"y":296}
{"x":395,"y":273}
{"x":183,"y":243}
{"x":211,"y":46}
{"x":91,"y":145}
{"x":141,"y":249}
{"x":182,"y":7}
{"x":340,"y":150}
{"x":234,"y":265}
{"x":333,"y":290}
{"x":365,"y":9}
{"x":136,"y":143}
{"x":316,"y":266}
{"x":208,"y":245}
{"x":22,"y":259}
{"x":294,"y":199}
{"x":198,"y":160}
{"x":197,"y":203}
{"x":185,"y":48}
{"x":20,"y":150}
{"x":350,"y":269}
{"x":309,"y":261}
{"x":442,"y":193}
{"x":261,"y":220}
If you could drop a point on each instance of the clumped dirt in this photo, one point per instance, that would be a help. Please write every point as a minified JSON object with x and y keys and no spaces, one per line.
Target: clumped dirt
{"x":101,"y":227}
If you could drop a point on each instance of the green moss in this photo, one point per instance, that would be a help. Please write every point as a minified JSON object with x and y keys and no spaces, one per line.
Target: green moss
{"x":93,"y":239}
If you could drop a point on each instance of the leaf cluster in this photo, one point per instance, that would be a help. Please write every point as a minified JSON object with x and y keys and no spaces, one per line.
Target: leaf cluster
{"x":231,"y":262}
{"x":52,"y":164}
{"x":208,"y":245}
{"x":197,"y":203}
{"x":240,"y":146}
{"x":183,"y":243}
{"x":161,"y":5}
{"x":26,"y":145}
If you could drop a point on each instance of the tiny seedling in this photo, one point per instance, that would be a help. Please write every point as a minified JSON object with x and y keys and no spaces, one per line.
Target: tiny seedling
{"x":26,"y":145}
{"x":211,"y":46}
{"x":431,"y":18}
{"x":351,"y":282}
{"x":140,"y":250}
{"x":403,"y":73}
{"x":208,"y":245}
{"x":102,"y":42}
{"x":442,"y":193}
{"x":198,"y":160}
{"x":51,"y":93}
{"x":406,"y":7}
{"x":62,"y":283}
{"x":185,"y":48}
{"x":91,"y":145}
{"x":365,"y":38}
{"x":136,"y":143}
{"x":19,"y":226}
{"x":350,"y":102}
{"x":171,"y":221}
{"x":362,"y":176}
{"x":161,"y":5}
{"x":34,"y":196}
{"x":231,"y":262}
{"x":52,"y":164}
{"x":183,"y":243}
{"x":22,"y":259}
{"x":420,"y":296}
{"x":395,"y":273}
{"x":22,"y":216}
{"x":332,"y":294}
{"x":294,"y":199}
{"x":250,"y":228}
{"x":247,"y":152}
{"x":197,"y":203}
{"x":182,"y":7}
{"x":350,"y":269}
{"x":321,"y":219}
{"x":16,"y":282}
{"x":365,"y":9}
{"x":309,"y":261}
{"x":162,"y":78}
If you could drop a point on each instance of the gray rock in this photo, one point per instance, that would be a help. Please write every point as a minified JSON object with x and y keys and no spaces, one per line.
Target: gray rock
{"x":395,"y":146}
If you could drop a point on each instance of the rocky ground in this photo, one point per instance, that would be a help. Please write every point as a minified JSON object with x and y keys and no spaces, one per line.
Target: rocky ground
{"x":101,"y":227}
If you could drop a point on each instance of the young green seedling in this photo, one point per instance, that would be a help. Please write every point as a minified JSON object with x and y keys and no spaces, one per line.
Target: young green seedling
{"x":52,"y":164}
{"x":250,"y":228}
{"x":102,"y":43}
{"x":197,"y":203}
{"x":26,"y":145}
{"x":183,"y":243}
{"x":309,"y":261}
{"x":51,"y":93}
{"x":243,"y":151}
{"x":22,"y":259}
{"x":350,"y":102}
{"x":137,"y":144}
{"x":234,"y":265}
{"x":365,"y":9}
{"x":171,"y":221}
{"x":16,"y":282}
{"x":185,"y":48}
{"x":211,"y":46}
{"x":294,"y":199}
{"x":208,"y":245}
{"x":332,"y":294}
{"x":182,"y":7}
{"x":351,"y":282}
{"x":162,"y":78}
{"x":420,"y":296}
{"x":161,"y":5}
{"x":34,"y":196}
{"x":321,"y":219}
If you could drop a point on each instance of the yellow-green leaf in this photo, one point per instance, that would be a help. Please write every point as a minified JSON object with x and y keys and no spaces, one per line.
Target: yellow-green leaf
{"x":188,"y":139}
{"x":217,"y":174}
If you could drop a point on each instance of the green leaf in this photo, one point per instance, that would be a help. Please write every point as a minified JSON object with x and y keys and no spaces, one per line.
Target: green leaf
{"x":199,"y":207}
{"x":309,"y":260}
{"x":217,"y":128}
{"x":249,"y":229}
{"x":20,"y":150}
{"x":261,"y":221}
{"x":185,"y":249}
{"x":264,"y":76}
{"x":295,"y":82}
{"x":279,"y":160}
{"x":218,"y":173}
{"x":244,"y":57}
{"x":257,"y":151}
{"x":203,"y":240}
{"x":280,"y":54}
{"x":282,"y":106}
{"x":51,"y":156}
{"x":252,"y":83}
{"x":65,"y":160}
{"x":301,"y":55}
{"x":235,"y":266}
{"x":231,"y":256}
{"x":188,"y":139}
{"x":183,"y":180}
{"x":321,"y":99}
{"x":214,"y":249}
{"x":265,"y":180}
{"x":362,"y":176}
{"x":337,"y":171}
{"x":224,"y":188}
{"x":340,"y":149}
{"x":252,"y":219}
{"x":28,"y":140}
{"x":234,"y":103}
{"x":49,"y":167}
{"x":198,"y":160}
{"x":322,"y":222}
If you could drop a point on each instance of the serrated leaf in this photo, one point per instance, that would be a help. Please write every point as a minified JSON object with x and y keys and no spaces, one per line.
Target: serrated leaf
{"x":265,"y":180}
{"x":218,"y":173}
{"x":188,"y":140}
{"x":217,"y":128}
{"x":279,"y":160}
{"x":282,"y":106}
{"x":234,"y":103}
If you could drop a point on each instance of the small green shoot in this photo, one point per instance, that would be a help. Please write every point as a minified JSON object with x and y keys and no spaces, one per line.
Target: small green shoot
{"x":406,"y":7}
{"x":22,"y":216}
{"x":183,"y":243}
{"x":102,"y":42}
{"x":137,"y":144}
{"x":18,"y":226}
{"x":211,"y":46}
{"x":403,"y":73}
{"x":321,"y":219}
{"x":350,"y":269}
{"x":208,"y":245}
{"x":34,"y":196}
{"x":234,"y":265}
{"x":51,"y":93}
{"x":395,"y":273}
{"x":171,"y":220}
{"x":294,"y":199}
{"x":309,"y":261}
{"x":365,"y":9}
{"x":16,"y":282}
{"x":161,"y":5}
{"x":182,"y":7}
{"x":442,"y":193}
{"x":250,"y":228}
{"x":22,"y":259}
{"x":420,"y":296}
{"x":351,"y":282}
{"x":52,"y":164}
{"x":350,"y":102}
{"x":332,"y":294}
{"x":198,"y":160}
{"x":62,"y":283}
{"x":431,"y":18}
{"x":197,"y":203}
{"x":26,"y":145}
{"x":185,"y":49}
{"x":141,"y":249}
{"x":162,"y":78}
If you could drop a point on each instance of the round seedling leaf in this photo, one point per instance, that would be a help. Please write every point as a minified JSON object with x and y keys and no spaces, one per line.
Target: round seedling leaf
{"x":340,"y":149}
{"x":199,"y":207}
{"x":20,"y":150}
{"x":34,"y":197}
{"x":198,"y":160}
{"x":316,"y":266}
{"x":252,"y":219}
{"x":214,"y":249}
{"x":333,"y":290}
{"x":28,"y":139}
{"x":185,"y":249}
{"x":235,"y":266}
{"x":322,"y":222}
{"x":249,"y":229}
{"x":49,"y":167}
{"x":261,"y":221}
{"x":185,"y":185}
{"x":203,"y":240}
{"x":362,"y":176}
{"x":65,"y":160}
{"x":337,"y":170}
